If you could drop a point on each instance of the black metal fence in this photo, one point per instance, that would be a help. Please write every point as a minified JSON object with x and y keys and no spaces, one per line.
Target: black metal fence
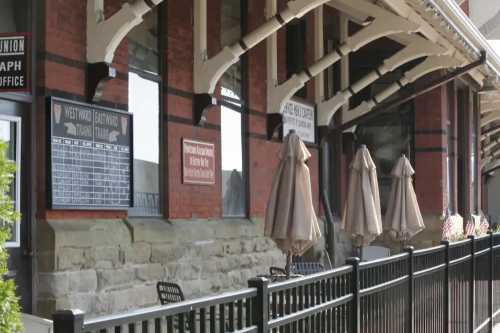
{"x":454,"y":287}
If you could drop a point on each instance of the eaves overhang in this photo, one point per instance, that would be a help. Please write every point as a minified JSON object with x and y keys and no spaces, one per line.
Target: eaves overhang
{"x":471,"y":40}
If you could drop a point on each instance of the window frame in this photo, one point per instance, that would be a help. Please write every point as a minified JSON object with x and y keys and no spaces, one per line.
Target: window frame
{"x":18,"y":121}
{"x":230,"y":103}
{"x":158,"y":78}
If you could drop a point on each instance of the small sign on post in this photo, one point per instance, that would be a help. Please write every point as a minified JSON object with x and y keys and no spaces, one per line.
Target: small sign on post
{"x":198,"y":162}
{"x":14,"y":74}
{"x":301,"y":118}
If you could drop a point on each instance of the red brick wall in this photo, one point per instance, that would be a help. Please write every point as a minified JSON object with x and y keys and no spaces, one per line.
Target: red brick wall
{"x":465,"y":7}
{"x":62,"y":63}
{"x":186,"y":201}
{"x":430,"y":150}
{"x":62,"y":73}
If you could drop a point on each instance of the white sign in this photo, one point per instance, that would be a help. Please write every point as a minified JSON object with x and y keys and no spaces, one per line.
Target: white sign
{"x":299,"y":117}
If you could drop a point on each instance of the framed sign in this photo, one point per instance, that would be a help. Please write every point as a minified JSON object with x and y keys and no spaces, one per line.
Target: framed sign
{"x":300,"y":117}
{"x":198,"y":162}
{"x":90,"y":156}
{"x":14,"y":63}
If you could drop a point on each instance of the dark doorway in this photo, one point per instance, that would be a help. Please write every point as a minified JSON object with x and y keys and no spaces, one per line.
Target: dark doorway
{"x":13,"y":121}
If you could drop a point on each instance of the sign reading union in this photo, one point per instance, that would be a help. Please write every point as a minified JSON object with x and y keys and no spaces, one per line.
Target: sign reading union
{"x":299,"y":117}
{"x":13,"y":63}
{"x":198,"y":162}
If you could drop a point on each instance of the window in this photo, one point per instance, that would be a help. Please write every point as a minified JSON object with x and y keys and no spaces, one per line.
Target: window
{"x":474,"y":175}
{"x":144,"y":82}
{"x":14,"y":16}
{"x":10,"y":133}
{"x":295,"y":50}
{"x":232,"y":145}
{"x":387,"y":137}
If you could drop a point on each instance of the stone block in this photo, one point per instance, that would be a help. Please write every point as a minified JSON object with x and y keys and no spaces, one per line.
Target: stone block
{"x":83,"y":281}
{"x":138,"y":253}
{"x":106,"y":256}
{"x":151,"y":231}
{"x":162,"y":253}
{"x":208,"y":249}
{"x":79,"y":301}
{"x":232,"y":247}
{"x":150,"y":272}
{"x":46,"y":261}
{"x":53,"y":285}
{"x":188,"y":272}
{"x":115,"y":278}
{"x":89,"y":233}
{"x":69,"y":258}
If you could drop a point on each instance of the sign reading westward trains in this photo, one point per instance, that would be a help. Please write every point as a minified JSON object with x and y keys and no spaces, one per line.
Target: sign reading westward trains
{"x":14,"y":63}
{"x":90,"y":156}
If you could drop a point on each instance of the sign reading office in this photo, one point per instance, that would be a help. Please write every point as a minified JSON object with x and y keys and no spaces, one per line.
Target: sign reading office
{"x":13,"y":63}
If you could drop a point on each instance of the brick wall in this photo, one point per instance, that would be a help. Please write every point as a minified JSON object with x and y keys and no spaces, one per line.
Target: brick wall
{"x":430,"y":150}
{"x":186,"y":201}
{"x":79,"y":250}
{"x":63,"y":64}
{"x":62,"y":73}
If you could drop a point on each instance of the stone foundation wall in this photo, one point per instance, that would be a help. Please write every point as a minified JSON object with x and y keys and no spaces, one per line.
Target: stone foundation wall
{"x":110,"y":266}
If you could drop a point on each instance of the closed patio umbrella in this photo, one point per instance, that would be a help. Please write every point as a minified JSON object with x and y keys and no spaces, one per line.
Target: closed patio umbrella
{"x":403,"y":219}
{"x":290,"y":218}
{"x":362,"y":218}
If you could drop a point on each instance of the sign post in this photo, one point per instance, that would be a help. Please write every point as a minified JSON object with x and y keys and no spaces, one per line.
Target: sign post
{"x":14,"y":74}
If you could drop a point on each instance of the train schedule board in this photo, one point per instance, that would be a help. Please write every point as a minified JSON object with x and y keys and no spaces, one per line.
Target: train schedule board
{"x":90,"y":156}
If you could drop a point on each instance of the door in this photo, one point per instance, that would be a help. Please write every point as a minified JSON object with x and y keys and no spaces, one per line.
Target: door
{"x":11,"y":132}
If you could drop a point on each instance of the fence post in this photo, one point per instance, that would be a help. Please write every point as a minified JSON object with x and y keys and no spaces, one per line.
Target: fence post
{"x":411,"y":290}
{"x":447,"y":299}
{"x":356,"y":306}
{"x":68,"y":321}
{"x":260,"y":308}
{"x":490,"y":283}
{"x":472,"y":283}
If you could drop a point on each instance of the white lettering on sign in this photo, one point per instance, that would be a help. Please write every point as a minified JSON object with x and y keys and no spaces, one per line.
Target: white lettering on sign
{"x":301,"y":118}
{"x":198,"y":162}
{"x":12,"y":46}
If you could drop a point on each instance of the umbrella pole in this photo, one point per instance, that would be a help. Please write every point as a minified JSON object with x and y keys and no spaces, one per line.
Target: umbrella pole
{"x":288,"y":263}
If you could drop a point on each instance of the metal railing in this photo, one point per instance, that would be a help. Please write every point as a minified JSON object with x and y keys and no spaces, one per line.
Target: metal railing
{"x":453,"y":287}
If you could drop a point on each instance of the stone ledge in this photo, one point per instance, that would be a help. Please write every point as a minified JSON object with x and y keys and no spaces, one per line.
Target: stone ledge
{"x":88,"y":233}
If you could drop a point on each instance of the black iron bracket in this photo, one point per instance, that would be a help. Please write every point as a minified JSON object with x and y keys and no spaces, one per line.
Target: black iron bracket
{"x":97,"y":75}
{"x":201,"y":104}
{"x":274,"y":122}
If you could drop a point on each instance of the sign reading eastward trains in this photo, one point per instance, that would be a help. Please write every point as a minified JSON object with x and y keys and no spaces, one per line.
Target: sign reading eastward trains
{"x":90,"y":164}
{"x":14,"y":63}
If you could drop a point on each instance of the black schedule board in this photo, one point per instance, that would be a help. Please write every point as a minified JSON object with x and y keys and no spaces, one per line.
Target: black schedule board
{"x":90,"y":162}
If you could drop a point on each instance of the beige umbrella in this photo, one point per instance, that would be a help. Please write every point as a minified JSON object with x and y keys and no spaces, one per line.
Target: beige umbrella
{"x":290,"y":218}
{"x":362,"y":218}
{"x":403,"y":219}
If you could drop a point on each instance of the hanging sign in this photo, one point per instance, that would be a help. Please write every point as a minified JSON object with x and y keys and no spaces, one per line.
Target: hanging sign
{"x":301,"y":118}
{"x":198,"y":162}
{"x":90,"y":156}
{"x":14,"y":63}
